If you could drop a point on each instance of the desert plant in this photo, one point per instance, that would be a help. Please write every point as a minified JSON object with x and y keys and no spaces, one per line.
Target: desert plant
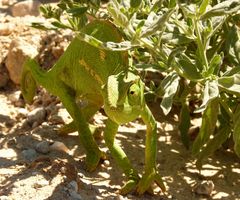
{"x":195,"y":44}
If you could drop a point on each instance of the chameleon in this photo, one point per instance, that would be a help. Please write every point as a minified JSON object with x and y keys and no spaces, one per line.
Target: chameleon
{"x":86,"y":78}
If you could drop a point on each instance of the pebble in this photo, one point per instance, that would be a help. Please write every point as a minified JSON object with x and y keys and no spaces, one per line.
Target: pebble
{"x":6,"y":29}
{"x":29,"y":155}
{"x":204,"y":188}
{"x":28,"y":7}
{"x":59,"y":146}
{"x":74,"y":195}
{"x":106,"y":163}
{"x":43,"y":147}
{"x":40,"y":184}
{"x":37,"y":115}
{"x":4,"y":198}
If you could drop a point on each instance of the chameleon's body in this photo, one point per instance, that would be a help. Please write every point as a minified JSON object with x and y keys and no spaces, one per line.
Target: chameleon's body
{"x":98,"y":77}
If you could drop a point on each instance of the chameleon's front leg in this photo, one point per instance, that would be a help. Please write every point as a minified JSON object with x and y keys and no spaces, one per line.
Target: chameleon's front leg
{"x":120,"y":157}
{"x":150,"y":173}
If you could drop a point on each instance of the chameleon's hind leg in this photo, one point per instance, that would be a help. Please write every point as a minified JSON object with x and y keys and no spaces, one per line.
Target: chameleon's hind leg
{"x":88,"y":112}
{"x":120,"y":157}
{"x":93,"y":153}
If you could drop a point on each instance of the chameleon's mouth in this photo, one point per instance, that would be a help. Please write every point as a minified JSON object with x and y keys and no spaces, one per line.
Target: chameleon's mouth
{"x":124,"y":113}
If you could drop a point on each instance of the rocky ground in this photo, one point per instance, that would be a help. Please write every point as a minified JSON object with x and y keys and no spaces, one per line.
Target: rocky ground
{"x":37,"y":163}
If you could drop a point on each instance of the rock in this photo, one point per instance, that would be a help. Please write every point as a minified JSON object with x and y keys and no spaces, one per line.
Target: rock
{"x":19,"y":51}
{"x":6,"y":29}
{"x":28,"y":7}
{"x":204,"y":188}
{"x":74,"y":195}
{"x":59,"y":146}
{"x":29,"y":155}
{"x":3,"y":77}
{"x":37,"y":115}
{"x":43,"y":147}
{"x":4,"y":198}
{"x":73,"y":185}
{"x":40,"y":184}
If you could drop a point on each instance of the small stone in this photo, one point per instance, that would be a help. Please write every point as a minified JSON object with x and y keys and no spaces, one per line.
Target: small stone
{"x":43,"y":147}
{"x":55,"y":119}
{"x":22,"y":112}
{"x":3,"y":76}
{"x":74,"y":195}
{"x":28,"y":7}
{"x":14,"y":97}
{"x":40,"y":184}
{"x":6,"y":29}
{"x":37,"y":115}
{"x":18,"y":52}
{"x":4,"y":198}
{"x":29,"y":154}
{"x":204,"y":188}
{"x":59,"y":146}
{"x":73,"y":185}
{"x":106,"y":163}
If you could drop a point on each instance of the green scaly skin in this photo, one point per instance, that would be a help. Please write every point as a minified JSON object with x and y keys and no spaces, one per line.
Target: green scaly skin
{"x":99,"y":78}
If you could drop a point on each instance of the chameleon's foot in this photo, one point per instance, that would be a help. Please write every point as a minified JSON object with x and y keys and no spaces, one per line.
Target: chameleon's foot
{"x":131,"y":184}
{"x":93,"y":159}
{"x":66,"y":129}
{"x":144,"y":185}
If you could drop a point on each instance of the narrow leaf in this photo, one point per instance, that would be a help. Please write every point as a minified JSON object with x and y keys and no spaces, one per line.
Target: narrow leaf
{"x":211,"y":92}
{"x":223,"y":8}
{"x":187,"y":68}
{"x":209,"y":120}
{"x":156,"y":25}
{"x":230,"y":84}
{"x":169,"y":87}
{"x":184,"y":124}
{"x":236,"y":131}
{"x":135,"y":3}
{"x":203,"y":6}
{"x":214,"y":144}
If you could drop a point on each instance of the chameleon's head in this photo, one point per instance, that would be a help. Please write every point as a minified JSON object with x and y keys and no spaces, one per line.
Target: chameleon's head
{"x":123,"y":97}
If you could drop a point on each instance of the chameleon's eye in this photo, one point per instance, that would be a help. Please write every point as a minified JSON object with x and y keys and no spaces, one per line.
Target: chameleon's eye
{"x":132,"y":92}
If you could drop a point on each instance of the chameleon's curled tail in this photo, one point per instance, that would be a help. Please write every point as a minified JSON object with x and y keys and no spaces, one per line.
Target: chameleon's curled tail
{"x":28,"y":79}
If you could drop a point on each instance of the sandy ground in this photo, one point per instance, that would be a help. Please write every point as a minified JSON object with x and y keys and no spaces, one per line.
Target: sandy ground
{"x":59,"y":173}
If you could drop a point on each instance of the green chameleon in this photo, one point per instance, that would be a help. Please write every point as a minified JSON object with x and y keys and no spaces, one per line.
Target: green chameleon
{"x":85,"y":78}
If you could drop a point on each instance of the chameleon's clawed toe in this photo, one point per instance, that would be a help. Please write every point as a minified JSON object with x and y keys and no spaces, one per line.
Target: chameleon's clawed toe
{"x":146,"y":182}
{"x":128,"y":187}
{"x":93,"y":160}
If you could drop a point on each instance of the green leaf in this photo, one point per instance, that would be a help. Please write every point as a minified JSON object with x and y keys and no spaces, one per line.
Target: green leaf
{"x":236,"y":131}
{"x":112,"y":46}
{"x":169,"y":87}
{"x":210,"y":93}
{"x":119,"y":17}
{"x":60,"y":25}
{"x":214,"y":144}
{"x":187,"y":68}
{"x":209,"y":120}
{"x":203,"y":6}
{"x":77,"y":11}
{"x":230,"y":84}
{"x":156,"y":24}
{"x":215,"y":64}
{"x":135,"y":3}
{"x":223,"y":8}
{"x":172,"y":3}
{"x":184,"y":124}
{"x":233,"y":44}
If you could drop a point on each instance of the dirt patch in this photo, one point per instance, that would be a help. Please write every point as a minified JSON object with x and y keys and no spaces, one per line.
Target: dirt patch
{"x":29,"y":173}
